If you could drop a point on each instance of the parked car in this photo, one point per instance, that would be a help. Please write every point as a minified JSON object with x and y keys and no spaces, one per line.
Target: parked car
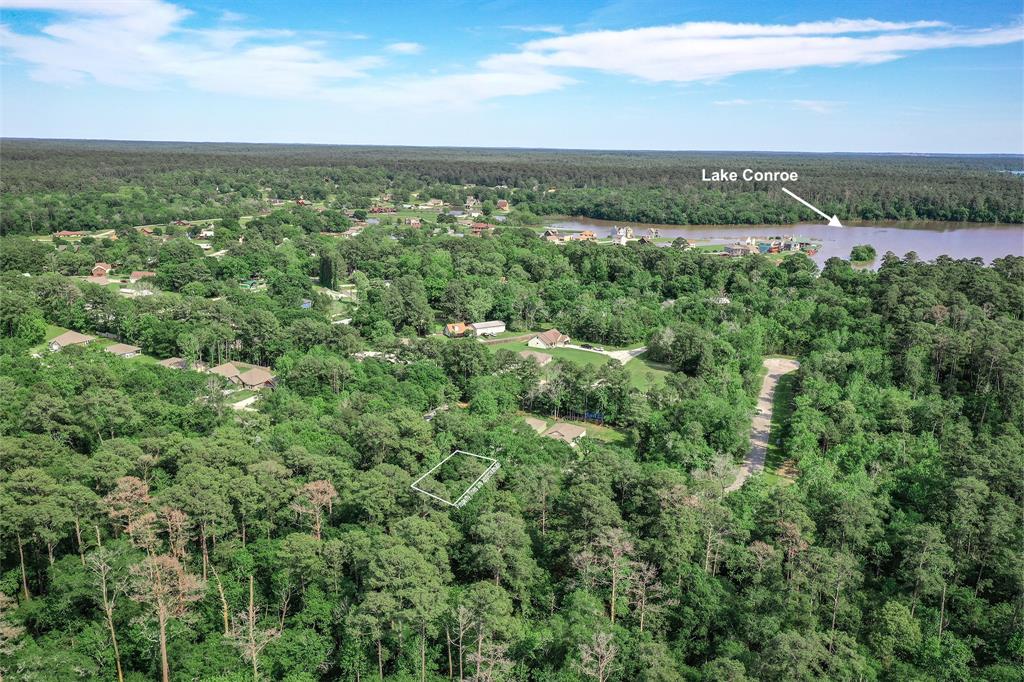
{"x":587,"y":346}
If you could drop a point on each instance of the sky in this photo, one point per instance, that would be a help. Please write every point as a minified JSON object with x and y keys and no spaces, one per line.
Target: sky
{"x":921,"y":76}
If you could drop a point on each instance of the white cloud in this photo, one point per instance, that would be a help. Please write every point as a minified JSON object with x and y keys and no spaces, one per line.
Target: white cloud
{"x":143,"y":44}
{"x":147,"y":44}
{"x":405,"y":48}
{"x":705,"y":51}
{"x":817,"y":106}
{"x":734,"y":102}
{"x":537,"y":28}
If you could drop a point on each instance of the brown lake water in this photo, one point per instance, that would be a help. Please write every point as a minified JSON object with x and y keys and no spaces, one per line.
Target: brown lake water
{"x":928,"y":239}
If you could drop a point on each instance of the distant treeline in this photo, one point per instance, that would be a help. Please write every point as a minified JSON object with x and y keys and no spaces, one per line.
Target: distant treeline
{"x":48,"y":185}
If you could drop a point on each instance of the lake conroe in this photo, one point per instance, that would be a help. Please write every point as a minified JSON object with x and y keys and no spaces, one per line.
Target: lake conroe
{"x":928,"y":240}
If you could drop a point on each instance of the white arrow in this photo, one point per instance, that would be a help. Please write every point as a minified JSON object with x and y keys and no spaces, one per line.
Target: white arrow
{"x":832,"y":222}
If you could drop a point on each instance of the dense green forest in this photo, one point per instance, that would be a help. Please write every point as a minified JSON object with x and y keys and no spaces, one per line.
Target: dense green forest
{"x":50,"y":185}
{"x":150,"y":529}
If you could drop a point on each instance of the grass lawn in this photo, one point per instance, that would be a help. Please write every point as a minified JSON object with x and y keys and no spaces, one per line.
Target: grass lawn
{"x":643,"y":373}
{"x":646,"y":373}
{"x":596,"y":431}
{"x":239,"y":396}
{"x":582,"y":357}
{"x":53,"y":331}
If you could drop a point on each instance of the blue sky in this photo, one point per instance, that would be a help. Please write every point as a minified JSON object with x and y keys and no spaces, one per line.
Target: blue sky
{"x":921,"y":76}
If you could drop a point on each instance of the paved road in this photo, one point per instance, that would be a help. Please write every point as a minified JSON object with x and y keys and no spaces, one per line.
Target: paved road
{"x":762,"y":422}
{"x":622,"y":356}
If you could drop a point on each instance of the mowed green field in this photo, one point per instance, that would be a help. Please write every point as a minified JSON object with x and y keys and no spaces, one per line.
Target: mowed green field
{"x":643,"y":373}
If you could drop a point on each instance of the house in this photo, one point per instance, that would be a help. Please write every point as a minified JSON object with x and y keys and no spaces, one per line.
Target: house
{"x":147,"y":231}
{"x":206,"y":233}
{"x":478,"y":229}
{"x":173,"y":363}
{"x":490,"y":328}
{"x":434,"y":203}
{"x":538,"y":425}
{"x":455,"y":329}
{"x":586,"y":236}
{"x":645,"y":240}
{"x":102,"y":269}
{"x":180,"y":222}
{"x":257,"y":378}
{"x":69,"y":339}
{"x":567,"y":433}
{"x":140,"y":274}
{"x":69,"y":233}
{"x":502,"y":204}
{"x":413,"y":222}
{"x":552,"y":338}
{"x":306,"y":304}
{"x":541,"y":359}
{"x":228,"y":371}
{"x":471,"y":202}
{"x":741,"y":249}
{"x":123,"y":350}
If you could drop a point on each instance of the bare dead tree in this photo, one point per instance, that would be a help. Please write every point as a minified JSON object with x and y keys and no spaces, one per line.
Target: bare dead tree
{"x":645,"y":590}
{"x":127,"y":501}
{"x":492,"y":663}
{"x":249,"y":637}
{"x":110,"y":588}
{"x":311,"y":501}
{"x":10,"y":632}
{"x":176,"y":525}
{"x":597,"y":656}
{"x":607,"y":563}
{"x":162,"y":584}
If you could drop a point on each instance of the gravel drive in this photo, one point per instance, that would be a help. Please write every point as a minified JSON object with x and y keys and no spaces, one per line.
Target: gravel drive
{"x":762,"y":422}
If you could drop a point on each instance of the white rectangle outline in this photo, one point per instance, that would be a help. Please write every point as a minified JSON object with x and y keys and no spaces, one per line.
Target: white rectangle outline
{"x":462,"y":499}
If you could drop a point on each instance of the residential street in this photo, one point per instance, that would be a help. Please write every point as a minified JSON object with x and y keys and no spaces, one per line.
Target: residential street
{"x":762,"y":422}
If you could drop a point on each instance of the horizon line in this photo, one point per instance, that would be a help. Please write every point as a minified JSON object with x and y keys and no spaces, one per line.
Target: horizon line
{"x":510,"y":148}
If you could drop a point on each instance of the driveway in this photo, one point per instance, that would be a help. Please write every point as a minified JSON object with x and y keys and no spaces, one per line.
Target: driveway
{"x":762,"y":422}
{"x":246,"y":403}
{"x":622,"y":356}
